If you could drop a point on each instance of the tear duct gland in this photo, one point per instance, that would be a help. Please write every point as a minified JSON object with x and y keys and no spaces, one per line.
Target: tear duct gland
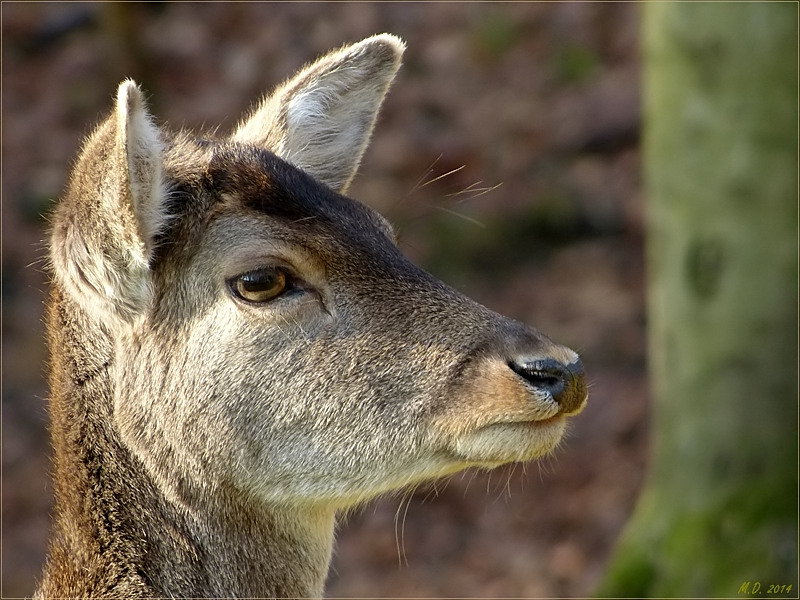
{"x":239,"y":350}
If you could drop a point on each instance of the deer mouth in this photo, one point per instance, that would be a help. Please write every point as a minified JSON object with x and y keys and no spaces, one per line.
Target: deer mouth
{"x":546,"y":421}
{"x":507,"y":439}
{"x":557,"y":420}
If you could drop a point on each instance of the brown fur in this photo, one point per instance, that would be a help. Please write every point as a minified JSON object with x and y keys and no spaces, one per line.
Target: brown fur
{"x":204,"y":442}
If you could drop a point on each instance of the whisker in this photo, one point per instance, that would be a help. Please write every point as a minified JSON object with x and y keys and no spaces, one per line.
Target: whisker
{"x":474,"y":191}
{"x":421,"y":179}
{"x":461,"y":216}
{"x":400,"y":540}
{"x":472,"y":475}
{"x":442,"y":176}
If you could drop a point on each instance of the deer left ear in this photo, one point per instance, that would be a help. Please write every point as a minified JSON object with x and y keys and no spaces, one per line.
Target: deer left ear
{"x":139,"y":148}
{"x":321,"y":119}
{"x":104,"y":231}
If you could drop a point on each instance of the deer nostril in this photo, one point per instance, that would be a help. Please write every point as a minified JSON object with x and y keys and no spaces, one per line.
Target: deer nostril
{"x":547,"y":374}
{"x":565,"y":383}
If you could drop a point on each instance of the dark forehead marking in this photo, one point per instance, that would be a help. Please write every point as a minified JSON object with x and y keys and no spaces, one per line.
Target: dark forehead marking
{"x":263,"y":182}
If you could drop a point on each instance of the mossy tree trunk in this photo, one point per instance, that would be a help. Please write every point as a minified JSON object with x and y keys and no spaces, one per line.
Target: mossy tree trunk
{"x":718,"y":515}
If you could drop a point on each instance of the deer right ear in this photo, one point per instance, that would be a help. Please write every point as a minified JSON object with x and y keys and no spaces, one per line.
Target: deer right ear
{"x":322,"y":118}
{"x":104,"y":230}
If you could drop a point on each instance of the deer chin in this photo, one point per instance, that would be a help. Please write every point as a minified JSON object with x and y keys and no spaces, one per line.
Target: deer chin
{"x":509,"y":441}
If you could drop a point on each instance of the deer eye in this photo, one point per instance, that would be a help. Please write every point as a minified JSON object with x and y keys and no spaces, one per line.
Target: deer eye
{"x":261,"y":285}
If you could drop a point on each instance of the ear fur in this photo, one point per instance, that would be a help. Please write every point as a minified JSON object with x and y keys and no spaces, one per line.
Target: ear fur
{"x":321,"y":119}
{"x":104,"y":231}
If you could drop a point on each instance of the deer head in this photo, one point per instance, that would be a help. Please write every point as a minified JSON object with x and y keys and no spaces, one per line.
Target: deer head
{"x":262,"y":332}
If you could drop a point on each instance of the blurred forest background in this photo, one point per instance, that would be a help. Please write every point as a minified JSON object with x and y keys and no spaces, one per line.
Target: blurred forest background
{"x":506,"y":155}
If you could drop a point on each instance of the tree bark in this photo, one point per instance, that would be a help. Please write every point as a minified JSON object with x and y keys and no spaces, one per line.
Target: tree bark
{"x":719,"y":512}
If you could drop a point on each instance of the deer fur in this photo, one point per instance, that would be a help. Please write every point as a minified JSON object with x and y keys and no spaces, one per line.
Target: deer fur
{"x":239,"y":351}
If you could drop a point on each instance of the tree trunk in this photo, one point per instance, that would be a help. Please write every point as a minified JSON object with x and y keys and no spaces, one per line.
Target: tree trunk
{"x":718,"y":515}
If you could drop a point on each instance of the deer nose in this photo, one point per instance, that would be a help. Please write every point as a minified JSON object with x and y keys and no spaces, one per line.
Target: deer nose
{"x":566,"y":383}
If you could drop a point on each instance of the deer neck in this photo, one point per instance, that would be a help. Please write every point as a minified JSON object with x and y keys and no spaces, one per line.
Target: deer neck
{"x":256,"y":550}
{"x":117,"y":533}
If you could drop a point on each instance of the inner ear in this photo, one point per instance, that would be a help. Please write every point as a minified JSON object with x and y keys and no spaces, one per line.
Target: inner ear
{"x":321,"y":119}
{"x":140,"y":141}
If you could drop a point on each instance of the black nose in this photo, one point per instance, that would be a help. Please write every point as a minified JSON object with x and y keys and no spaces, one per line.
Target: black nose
{"x":566,"y":383}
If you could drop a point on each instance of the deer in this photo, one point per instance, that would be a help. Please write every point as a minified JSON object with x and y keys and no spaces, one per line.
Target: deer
{"x":240,"y":353}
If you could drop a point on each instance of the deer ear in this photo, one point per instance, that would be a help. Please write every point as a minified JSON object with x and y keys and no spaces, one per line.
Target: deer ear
{"x":321,"y":119}
{"x":104,"y":231}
